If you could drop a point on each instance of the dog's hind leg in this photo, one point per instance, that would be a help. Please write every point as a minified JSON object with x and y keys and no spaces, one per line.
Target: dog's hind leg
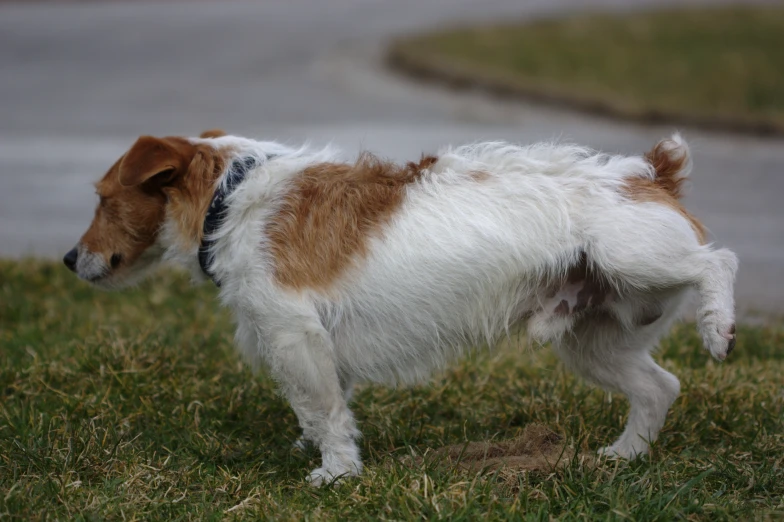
{"x":301,"y":360}
{"x":616,"y":358}
{"x":716,"y":314}
{"x":656,"y":250}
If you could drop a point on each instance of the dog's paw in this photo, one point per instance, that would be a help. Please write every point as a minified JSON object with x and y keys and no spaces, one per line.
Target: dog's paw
{"x":324,"y":477}
{"x":320,"y":476}
{"x":721,"y":341}
{"x":623,"y":450}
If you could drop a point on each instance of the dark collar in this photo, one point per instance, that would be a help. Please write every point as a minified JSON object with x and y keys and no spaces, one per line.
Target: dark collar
{"x":218,"y":210}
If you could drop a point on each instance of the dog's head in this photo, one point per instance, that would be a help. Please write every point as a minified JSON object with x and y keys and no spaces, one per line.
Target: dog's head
{"x":121,"y":244}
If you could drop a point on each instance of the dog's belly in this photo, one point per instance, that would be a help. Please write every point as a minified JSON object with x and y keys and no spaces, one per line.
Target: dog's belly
{"x":386,"y":343}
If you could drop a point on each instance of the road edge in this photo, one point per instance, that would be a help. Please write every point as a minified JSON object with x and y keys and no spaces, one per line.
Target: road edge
{"x":403,"y":57}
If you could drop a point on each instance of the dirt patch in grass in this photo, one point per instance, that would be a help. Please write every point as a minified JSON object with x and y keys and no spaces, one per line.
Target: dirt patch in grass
{"x":719,"y":68}
{"x":537,"y":448}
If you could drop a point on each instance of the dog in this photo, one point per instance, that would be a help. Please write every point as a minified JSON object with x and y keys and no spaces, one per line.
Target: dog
{"x":338,"y":272}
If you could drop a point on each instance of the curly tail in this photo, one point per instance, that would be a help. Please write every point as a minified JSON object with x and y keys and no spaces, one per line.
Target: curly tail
{"x":671,"y":159}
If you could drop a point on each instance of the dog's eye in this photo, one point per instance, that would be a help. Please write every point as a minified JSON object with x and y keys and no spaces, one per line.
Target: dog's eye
{"x":115,"y":260}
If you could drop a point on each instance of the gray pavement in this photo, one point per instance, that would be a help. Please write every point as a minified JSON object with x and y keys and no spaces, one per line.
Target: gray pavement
{"x":79,"y":82}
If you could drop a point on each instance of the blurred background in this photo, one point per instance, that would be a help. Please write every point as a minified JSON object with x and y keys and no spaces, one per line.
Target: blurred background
{"x":79,"y":81}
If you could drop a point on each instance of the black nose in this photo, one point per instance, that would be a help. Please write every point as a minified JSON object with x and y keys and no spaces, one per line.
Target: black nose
{"x":70,"y":259}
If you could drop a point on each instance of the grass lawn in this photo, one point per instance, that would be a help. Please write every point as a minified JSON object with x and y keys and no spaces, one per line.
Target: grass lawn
{"x":718,"y":66}
{"x":134,"y":405}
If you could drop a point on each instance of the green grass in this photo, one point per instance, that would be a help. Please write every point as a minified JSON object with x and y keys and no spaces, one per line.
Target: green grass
{"x":134,"y":405}
{"x":722,"y":66}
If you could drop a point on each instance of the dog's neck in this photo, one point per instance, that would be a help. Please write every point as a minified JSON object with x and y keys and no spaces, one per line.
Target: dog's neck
{"x":189,"y":200}
{"x":218,"y":210}
{"x":185,"y":226}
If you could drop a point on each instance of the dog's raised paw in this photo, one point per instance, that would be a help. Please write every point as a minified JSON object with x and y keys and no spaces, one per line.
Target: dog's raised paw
{"x":731,"y":339}
{"x":724,"y":342}
{"x":720,"y":341}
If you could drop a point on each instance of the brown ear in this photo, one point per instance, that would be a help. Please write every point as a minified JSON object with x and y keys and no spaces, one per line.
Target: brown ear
{"x":212,"y":133}
{"x":151,"y":156}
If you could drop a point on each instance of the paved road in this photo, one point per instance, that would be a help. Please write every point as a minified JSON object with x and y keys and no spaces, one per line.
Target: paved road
{"x":78,"y":83}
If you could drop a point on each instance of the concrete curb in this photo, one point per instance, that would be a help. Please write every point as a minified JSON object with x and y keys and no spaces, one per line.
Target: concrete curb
{"x":402,"y":56}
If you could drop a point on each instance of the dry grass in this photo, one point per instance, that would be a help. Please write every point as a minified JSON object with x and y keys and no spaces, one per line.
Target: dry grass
{"x":134,"y":406}
{"x":718,"y":67}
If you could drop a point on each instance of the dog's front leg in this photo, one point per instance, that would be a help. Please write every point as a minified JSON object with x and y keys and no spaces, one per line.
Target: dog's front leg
{"x":301,"y":358}
{"x":347,"y":383}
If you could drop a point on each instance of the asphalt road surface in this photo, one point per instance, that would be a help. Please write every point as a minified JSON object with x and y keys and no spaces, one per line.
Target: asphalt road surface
{"x":79,"y":82}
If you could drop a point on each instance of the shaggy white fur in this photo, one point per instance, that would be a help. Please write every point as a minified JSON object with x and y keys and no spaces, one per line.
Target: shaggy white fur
{"x":463,"y":261}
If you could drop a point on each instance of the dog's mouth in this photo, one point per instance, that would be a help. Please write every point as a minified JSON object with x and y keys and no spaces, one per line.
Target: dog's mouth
{"x":96,"y":278}
{"x":105,"y":274}
{"x":91,"y":266}
{"x":108,"y":279}
{"x":99,"y":279}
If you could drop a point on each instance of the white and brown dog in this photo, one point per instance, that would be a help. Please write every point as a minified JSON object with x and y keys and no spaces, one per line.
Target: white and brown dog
{"x":370,"y":271}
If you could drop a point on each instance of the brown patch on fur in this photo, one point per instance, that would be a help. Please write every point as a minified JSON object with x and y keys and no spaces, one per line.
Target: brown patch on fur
{"x":212,"y":133}
{"x":155,"y":175}
{"x":330,"y":212}
{"x":479,"y":176}
{"x":190,"y":196}
{"x":154,"y":157}
{"x":666,"y":188}
{"x":667,"y":169}
{"x":425,"y":162}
